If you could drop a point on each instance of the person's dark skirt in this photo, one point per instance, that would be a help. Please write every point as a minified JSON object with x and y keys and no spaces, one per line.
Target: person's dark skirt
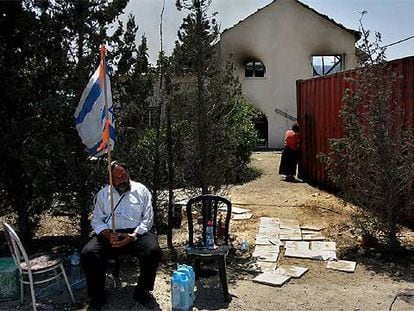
{"x":288,"y":162}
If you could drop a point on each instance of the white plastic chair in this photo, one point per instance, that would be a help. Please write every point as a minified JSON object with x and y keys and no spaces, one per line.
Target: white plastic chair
{"x":34,"y":267}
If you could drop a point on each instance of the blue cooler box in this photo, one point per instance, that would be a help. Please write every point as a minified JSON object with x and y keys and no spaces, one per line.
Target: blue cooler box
{"x":9,"y":279}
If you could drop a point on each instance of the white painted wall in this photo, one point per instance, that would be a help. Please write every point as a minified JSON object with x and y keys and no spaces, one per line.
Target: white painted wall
{"x":284,"y":36}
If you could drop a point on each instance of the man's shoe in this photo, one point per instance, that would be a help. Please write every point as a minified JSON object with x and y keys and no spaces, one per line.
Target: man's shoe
{"x":144,"y":297}
{"x":97,"y":302}
{"x":290,"y":178}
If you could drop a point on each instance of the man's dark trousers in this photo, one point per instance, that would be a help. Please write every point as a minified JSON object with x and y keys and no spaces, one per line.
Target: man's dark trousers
{"x":94,"y":259}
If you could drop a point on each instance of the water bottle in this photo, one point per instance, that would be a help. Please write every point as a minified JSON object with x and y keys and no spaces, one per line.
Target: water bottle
{"x":74,"y":266}
{"x":244,"y":247}
{"x":210,"y":235}
{"x":175,"y":291}
{"x":179,"y":290}
{"x":189,"y":272}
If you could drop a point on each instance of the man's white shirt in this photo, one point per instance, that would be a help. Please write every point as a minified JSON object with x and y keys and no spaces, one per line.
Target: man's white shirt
{"x":134,"y":209}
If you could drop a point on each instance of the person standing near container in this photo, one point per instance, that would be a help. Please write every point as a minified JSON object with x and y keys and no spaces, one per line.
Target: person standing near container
{"x":290,"y":153}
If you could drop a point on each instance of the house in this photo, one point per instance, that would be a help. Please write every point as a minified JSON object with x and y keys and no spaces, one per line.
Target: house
{"x":273,"y":48}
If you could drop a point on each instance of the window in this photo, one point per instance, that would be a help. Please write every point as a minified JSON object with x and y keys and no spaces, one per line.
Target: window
{"x":254,"y":69}
{"x":325,"y":65}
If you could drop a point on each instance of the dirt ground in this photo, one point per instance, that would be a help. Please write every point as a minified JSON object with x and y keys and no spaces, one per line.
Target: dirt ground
{"x":379,"y":278}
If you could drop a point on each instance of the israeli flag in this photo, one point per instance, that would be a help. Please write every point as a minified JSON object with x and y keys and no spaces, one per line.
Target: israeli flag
{"x":90,"y":115}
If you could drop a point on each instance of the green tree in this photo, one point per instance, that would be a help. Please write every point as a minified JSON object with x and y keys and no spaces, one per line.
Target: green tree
{"x":372,"y":164}
{"x":210,"y":111}
{"x":48,"y":50}
{"x":86,"y":23}
{"x":32,"y":59}
{"x":193,"y":53}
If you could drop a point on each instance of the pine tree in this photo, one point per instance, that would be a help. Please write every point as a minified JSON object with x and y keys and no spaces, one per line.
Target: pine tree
{"x":193,"y":55}
{"x":32,"y":59}
{"x":47,"y":51}
{"x":208,"y":105}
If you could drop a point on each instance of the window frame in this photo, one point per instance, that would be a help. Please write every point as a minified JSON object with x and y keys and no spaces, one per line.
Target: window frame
{"x":254,"y":70}
{"x":339,"y":60}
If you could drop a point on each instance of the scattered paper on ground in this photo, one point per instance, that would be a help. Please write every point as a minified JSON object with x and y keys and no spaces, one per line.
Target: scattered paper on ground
{"x":261,"y":266}
{"x":313,"y":250}
{"x":289,"y":223}
{"x":292,"y":271}
{"x":297,"y":245}
{"x":269,"y":221}
{"x":311,"y":227}
{"x":290,"y":234}
{"x":323,"y":255}
{"x":262,"y":240}
{"x":238,"y":210}
{"x":242,"y":216}
{"x":322,"y":246}
{"x":342,"y":265}
{"x":266,"y":252}
{"x":310,"y":235}
{"x":271,"y":278}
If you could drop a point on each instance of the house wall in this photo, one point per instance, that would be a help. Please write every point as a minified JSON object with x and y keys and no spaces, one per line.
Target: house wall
{"x":284,"y":36}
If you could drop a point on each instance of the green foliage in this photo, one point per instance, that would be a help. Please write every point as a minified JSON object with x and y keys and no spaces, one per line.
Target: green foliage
{"x":213,"y":120}
{"x":47,"y":51}
{"x":31,"y":61}
{"x":372,"y":163}
{"x":242,"y":130}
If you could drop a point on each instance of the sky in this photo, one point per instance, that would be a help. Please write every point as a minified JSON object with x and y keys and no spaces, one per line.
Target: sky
{"x":394,"y":19}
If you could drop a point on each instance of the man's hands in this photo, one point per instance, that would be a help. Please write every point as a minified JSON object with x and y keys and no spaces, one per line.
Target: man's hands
{"x":118,"y":239}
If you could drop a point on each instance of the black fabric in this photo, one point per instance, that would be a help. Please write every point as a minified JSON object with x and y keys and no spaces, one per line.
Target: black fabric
{"x":94,"y":260}
{"x":288,"y":162}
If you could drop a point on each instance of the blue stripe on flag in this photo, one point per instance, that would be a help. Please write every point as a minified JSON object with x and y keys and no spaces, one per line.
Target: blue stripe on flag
{"x":89,"y":102}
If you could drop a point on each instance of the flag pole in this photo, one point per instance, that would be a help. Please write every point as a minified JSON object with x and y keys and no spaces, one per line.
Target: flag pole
{"x":108,"y":140}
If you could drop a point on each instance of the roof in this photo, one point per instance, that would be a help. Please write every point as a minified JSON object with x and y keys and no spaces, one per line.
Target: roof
{"x":356,"y":33}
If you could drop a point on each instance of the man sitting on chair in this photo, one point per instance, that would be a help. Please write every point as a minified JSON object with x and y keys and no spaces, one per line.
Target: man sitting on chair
{"x":134,"y":219}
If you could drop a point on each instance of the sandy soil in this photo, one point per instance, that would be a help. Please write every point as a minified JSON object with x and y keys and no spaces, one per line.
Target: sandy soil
{"x":378,"y":280}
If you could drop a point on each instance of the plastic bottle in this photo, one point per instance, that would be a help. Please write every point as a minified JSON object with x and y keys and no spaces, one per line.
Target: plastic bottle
{"x":189,"y":272}
{"x":210,"y":235}
{"x":179,"y":290}
{"x":175,"y":291}
{"x":244,"y":247}
{"x":74,"y":266}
